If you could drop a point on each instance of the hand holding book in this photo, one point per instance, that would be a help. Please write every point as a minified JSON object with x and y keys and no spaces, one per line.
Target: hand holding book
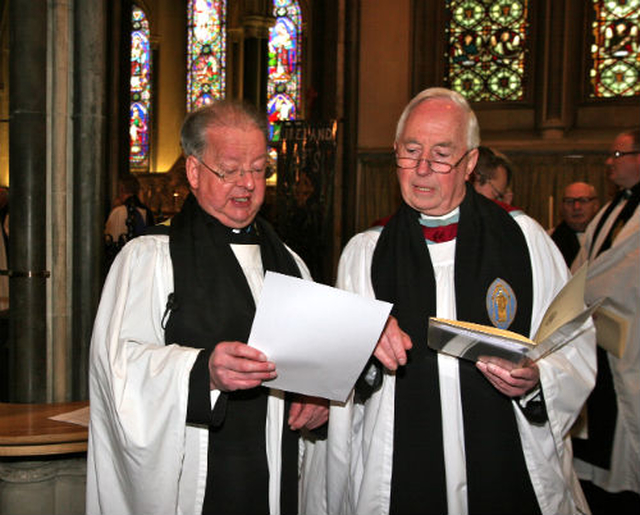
{"x":563,"y":321}
{"x":508,"y":378}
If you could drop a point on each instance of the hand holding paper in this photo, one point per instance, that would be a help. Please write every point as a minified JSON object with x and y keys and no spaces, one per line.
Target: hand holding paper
{"x":319,"y":337}
{"x":236,"y":366}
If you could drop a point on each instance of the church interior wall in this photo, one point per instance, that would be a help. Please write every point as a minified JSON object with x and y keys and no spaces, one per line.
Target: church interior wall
{"x":556,"y":136}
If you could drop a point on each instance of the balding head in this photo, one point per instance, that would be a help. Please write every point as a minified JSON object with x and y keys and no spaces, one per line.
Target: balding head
{"x":579,"y":205}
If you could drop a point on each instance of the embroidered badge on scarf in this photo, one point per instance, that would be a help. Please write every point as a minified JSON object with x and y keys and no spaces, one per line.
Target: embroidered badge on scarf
{"x":501,"y":303}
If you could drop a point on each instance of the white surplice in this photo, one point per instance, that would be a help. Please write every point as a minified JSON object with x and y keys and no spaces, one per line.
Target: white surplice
{"x":615,"y":275}
{"x":360,"y":443}
{"x":143,"y":457}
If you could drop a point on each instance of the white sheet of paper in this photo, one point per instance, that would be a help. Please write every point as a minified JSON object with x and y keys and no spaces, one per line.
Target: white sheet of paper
{"x":319,"y":337}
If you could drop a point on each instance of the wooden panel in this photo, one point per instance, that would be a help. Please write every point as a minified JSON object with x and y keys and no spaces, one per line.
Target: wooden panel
{"x":378,"y":193}
{"x":537,"y":177}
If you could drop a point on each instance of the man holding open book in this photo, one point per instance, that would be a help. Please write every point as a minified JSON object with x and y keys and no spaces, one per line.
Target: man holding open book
{"x":427,"y":432}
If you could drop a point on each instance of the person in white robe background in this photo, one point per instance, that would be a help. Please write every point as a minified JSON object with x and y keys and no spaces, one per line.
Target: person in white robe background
{"x":437,"y":257}
{"x":608,"y":461}
{"x":174,"y":390}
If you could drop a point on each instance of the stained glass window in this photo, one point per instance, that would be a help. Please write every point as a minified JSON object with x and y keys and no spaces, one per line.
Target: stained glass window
{"x":487,"y":48}
{"x":206,"y":51}
{"x":140,"y":94}
{"x":283,"y":86}
{"x":616,"y":48}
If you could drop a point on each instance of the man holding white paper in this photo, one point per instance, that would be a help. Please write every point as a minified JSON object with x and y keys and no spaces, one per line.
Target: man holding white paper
{"x":180,"y":419}
{"x":425,"y":432}
{"x":609,"y":458}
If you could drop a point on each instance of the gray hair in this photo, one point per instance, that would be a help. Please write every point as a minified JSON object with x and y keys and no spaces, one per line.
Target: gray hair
{"x":220,"y":113}
{"x":473,"y":129}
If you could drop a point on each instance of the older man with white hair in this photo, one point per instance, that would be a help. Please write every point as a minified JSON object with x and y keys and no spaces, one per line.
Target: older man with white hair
{"x":425,"y":432}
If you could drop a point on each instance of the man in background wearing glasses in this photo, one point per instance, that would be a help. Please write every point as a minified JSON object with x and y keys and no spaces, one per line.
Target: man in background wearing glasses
{"x":609,"y":459}
{"x":578,"y":207}
{"x":180,"y":419}
{"x":427,"y":433}
{"x":492,"y":176}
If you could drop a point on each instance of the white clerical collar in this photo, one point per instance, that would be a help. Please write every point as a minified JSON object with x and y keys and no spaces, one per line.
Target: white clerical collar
{"x":451,"y":214}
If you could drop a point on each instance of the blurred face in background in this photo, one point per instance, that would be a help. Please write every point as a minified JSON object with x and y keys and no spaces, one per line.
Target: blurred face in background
{"x":496,"y":187}
{"x":579,"y":205}
{"x":623,"y":163}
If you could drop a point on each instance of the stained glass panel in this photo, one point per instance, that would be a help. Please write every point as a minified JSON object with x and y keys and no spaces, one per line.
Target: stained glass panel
{"x":283,"y":86}
{"x":206,"y":51}
{"x":616,"y":49}
{"x":140,"y":92}
{"x":487,"y":48}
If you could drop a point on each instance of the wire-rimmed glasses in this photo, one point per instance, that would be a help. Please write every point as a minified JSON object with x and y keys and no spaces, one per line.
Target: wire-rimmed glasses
{"x":233,"y":176}
{"x":617,"y":154}
{"x":411,"y":163}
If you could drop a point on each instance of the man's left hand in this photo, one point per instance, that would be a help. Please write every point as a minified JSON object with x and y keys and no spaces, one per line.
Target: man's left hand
{"x":308,"y":412}
{"x":513,"y":382}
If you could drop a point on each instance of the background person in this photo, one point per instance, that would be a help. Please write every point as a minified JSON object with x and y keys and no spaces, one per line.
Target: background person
{"x":609,"y":460}
{"x":578,"y":207}
{"x":130,"y":216}
{"x":491,"y":176}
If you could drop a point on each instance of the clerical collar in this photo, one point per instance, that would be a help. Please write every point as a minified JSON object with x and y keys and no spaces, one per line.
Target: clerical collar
{"x":244,"y":236}
{"x":438,"y":221}
{"x":440,"y":229}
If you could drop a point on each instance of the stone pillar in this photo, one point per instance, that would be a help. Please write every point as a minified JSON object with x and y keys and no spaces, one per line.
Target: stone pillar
{"x":27,"y":168}
{"x":552,"y":116}
{"x":89,"y":179}
{"x":255,"y":69}
{"x":351,"y":87}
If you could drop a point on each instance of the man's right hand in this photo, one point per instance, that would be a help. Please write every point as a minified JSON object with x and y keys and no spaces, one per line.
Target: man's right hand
{"x":236,"y":366}
{"x":393,"y":345}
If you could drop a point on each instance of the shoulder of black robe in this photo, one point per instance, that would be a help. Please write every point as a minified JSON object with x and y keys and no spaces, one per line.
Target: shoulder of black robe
{"x":567,"y":242}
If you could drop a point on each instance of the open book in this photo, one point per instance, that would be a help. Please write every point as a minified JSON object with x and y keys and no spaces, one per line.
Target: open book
{"x":563,"y":321}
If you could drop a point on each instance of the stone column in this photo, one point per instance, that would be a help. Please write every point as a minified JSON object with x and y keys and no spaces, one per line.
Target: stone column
{"x":89,"y":178}
{"x":553,"y":119}
{"x":27,"y":168}
{"x":255,"y":70}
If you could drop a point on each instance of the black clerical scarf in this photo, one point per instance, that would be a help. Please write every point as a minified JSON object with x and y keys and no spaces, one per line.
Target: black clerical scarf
{"x":633,"y":197}
{"x":489,"y":245}
{"x":212,"y":302}
{"x":567,"y":241}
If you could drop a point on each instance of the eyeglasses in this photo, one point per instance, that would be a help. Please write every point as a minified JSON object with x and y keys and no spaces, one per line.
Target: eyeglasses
{"x":411,"y":163}
{"x":617,"y":154}
{"x":499,"y":195}
{"x":570,"y":201}
{"x":233,"y":176}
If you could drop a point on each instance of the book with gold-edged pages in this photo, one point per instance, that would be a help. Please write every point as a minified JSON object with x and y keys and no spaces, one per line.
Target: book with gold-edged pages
{"x":565,"y":319}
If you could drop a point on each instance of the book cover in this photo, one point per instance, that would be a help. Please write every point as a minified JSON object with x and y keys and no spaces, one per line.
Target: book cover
{"x":564,"y":320}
